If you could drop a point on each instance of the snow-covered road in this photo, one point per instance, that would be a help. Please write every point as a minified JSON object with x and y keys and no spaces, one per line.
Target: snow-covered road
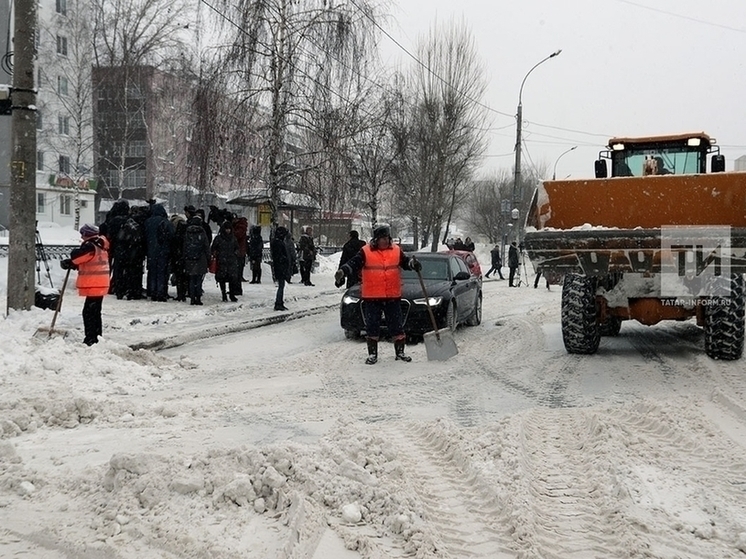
{"x":277,"y":441}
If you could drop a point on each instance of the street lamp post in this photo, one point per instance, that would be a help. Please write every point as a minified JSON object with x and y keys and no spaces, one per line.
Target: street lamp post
{"x":519,"y":125}
{"x":554,"y":172}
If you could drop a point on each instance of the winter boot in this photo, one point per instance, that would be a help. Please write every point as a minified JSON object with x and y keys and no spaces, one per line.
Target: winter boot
{"x":222,"y":290}
{"x":399,"y":349}
{"x":372,"y":352}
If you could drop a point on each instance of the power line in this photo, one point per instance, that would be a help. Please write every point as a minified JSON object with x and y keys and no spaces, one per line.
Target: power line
{"x":681,"y":16}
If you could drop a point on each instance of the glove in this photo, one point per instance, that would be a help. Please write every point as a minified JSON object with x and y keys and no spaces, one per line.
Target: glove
{"x":415,"y":264}
{"x":339,"y":278}
{"x":66,"y":264}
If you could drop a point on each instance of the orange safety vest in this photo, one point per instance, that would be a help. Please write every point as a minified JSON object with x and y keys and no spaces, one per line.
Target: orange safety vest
{"x":381,"y":278}
{"x":93,"y":272}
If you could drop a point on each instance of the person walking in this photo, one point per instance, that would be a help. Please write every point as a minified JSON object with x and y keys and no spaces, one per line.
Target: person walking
{"x":512,"y":263}
{"x":256,"y":252}
{"x":91,"y":260}
{"x":227,"y":252}
{"x":379,"y":264}
{"x":497,"y":263}
{"x":196,"y":256}
{"x":307,"y":255}
{"x":350,"y":249}
{"x":538,"y":277}
{"x":280,"y":265}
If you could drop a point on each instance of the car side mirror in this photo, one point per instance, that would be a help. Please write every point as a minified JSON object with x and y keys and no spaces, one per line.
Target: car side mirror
{"x":718,"y":164}
{"x":601,"y":171}
{"x":461,"y":276}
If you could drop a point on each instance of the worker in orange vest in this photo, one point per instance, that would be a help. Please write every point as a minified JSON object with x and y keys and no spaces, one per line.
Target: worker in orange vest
{"x":380,"y":262}
{"x":91,"y":260}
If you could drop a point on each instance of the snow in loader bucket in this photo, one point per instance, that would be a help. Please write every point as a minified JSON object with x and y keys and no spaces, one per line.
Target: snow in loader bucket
{"x":671,"y":250}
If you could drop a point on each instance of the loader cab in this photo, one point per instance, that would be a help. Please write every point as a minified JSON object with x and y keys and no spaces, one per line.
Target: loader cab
{"x":683,"y":154}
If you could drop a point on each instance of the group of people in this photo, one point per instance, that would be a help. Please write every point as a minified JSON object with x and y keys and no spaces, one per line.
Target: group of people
{"x":513,"y":265}
{"x":143,"y":243}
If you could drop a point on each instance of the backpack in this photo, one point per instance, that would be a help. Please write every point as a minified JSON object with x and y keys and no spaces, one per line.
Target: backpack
{"x":194,"y":242}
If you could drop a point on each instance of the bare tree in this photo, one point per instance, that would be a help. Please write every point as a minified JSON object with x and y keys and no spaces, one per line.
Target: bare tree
{"x":131,"y":38}
{"x":283,"y":54}
{"x":65,"y":74}
{"x":444,"y":136}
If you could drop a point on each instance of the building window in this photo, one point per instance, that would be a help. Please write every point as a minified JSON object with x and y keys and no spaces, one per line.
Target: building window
{"x":39,"y":160}
{"x":61,"y":85}
{"x":64,"y":125}
{"x":65,"y":204}
{"x":64,"y":164}
{"x":40,"y":202}
{"x":84,"y":203}
{"x":136,"y":148}
{"x":61,"y":45}
{"x":62,"y":7}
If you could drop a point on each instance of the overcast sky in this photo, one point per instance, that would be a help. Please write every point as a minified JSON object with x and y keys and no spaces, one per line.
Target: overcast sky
{"x":627,"y":68}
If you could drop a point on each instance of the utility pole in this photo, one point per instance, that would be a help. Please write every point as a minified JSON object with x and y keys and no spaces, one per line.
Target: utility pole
{"x":22,"y":237}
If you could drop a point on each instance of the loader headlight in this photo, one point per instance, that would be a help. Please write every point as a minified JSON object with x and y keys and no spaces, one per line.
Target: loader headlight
{"x":617,"y":147}
{"x":350,"y":300}
{"x":693,"y":141}
{"x":432,"y":301}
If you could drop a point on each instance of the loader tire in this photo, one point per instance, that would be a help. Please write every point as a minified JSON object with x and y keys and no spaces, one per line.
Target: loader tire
{"x":610,"y":327}
{"x":580,"y":331}
{"x":724,"y":319}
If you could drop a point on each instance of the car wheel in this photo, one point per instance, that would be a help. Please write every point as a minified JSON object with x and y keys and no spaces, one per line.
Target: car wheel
{"x":352,"y":334}
{"x":476,"y":317}
{"x":451,"y":315}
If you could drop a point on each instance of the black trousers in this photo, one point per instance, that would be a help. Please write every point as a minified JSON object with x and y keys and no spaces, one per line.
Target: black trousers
{"x":305,"y":271}
{"x":391,"y":309}
{"x":92,"y":325}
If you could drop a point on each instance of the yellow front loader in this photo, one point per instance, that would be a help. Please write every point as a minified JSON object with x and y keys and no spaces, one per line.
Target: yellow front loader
{"x":660,"y":239}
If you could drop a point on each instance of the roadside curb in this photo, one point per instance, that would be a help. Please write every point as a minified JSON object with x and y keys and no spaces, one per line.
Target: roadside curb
{"x":223,"y":329}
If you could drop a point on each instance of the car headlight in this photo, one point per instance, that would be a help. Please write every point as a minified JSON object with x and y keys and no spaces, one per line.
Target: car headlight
{"x":432,"y":301}
{"x":350,"y":300}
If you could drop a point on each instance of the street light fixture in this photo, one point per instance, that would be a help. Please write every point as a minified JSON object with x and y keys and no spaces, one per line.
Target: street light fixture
{"x":519,"y":125}
{"x":554,"y":172}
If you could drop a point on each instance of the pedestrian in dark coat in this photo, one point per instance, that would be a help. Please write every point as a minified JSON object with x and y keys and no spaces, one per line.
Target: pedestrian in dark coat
{"x":256,"y":253}
{"x":497,"y":263}
{"x":158,"y":236}
{"x":292,"y":255}
{"x":114,"y":220}
{"x":179,"y":278}
{"x":350,"y":249}
{"x":512,"y":263}
{"x":225,"y":249}
{"x":241,"y":231}
{"x":469,"y":244}
{"x":307,"y":255}
{"x":280,"y":265}
{"x":92,"y":262}
{"x":130,"y":255}
{"x":196,"y":256}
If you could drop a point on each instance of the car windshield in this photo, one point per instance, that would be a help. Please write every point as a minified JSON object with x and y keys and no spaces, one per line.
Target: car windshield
{"x":431,"y":270}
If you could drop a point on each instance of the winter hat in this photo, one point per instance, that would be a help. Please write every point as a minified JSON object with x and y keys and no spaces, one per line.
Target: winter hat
{"x":88,"y":231}
{"x":281,"y":232}
{"x":381,"y":231}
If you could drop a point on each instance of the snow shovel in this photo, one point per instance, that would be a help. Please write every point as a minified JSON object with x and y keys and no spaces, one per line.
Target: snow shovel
{"x":439,"y":344}
{"x":43,"y":331}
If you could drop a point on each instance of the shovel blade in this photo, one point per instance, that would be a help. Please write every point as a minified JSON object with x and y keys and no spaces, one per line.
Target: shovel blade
{"x":45,"y":332}
{"x":440,"y":346}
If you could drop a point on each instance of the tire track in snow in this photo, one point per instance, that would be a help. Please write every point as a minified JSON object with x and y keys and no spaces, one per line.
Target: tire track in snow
{"x":460,"y":517}
{"x":563,"y":507}
{"x":683,"y":476}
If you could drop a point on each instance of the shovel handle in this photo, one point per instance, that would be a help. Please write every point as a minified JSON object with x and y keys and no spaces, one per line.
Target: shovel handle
{"x":427,"y":304}
{"x":59,"y":302}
